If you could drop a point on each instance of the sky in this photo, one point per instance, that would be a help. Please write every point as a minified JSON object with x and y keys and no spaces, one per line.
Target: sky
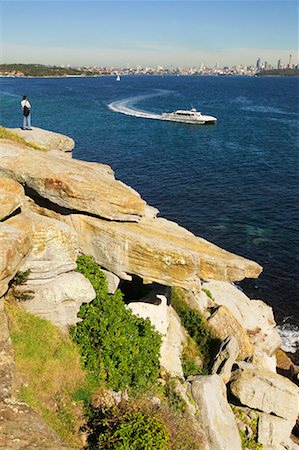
{"x":148,"y":32}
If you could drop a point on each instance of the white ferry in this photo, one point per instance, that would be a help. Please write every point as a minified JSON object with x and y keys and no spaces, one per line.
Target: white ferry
{"x":189,"y":116}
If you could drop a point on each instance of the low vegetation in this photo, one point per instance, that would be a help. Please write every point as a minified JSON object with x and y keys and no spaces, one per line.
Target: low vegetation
{"x":11,"y":136}
{"x":51,"y":378}
{"x":199,"y":331}
{"x":117,"y":347}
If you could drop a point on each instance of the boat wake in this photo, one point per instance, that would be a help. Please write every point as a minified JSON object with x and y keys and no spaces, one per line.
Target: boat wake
{"x":127,"y":106}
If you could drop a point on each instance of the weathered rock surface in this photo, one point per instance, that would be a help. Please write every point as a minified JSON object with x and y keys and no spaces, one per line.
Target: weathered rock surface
{"x":253,"y":315}
{"x":266,"y":391}
{"x":11,"y":197}
{"x":112,"y":281}
{"x":157,"y":314}
{"x":214,"y":412}
{"x":158,"y":250}
{"x":46,"y":139}
{"x":71,"y":184}
{"x":54,"y":245}
{"x":60,"y":299}
{"x":273,"y":430}
{"x":166,"y":322}
{"x":225,"y":358}
{"x":172,"y":345}
{"x":22,"y":428}
{"x":7,"y":363}
{"x":224,"y":324}
{"x":14,"y":248}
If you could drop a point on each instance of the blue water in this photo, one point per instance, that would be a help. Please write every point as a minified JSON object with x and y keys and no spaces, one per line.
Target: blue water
{"x":235,"y":183}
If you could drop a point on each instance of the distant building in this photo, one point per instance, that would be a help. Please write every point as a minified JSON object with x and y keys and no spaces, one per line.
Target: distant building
{"x":279,"y":64}
{"x":258,"y":64}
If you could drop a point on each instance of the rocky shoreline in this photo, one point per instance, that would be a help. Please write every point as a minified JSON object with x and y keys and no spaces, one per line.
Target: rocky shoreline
{"x":54,"y":208}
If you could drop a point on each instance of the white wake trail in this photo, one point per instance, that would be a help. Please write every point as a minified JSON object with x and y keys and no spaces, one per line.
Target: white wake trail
{"x":126,"y":106}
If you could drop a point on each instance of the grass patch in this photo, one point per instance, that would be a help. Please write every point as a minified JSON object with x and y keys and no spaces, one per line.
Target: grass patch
{"x":199,"y":331}
{"x":53,"y":382}
{"x":11,"y":136}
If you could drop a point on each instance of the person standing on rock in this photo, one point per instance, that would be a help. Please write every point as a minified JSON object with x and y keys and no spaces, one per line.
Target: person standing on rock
{"x":26,"y":107}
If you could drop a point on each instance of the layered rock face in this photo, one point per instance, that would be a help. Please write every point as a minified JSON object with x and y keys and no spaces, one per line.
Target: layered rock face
{"x":75,"y":207}
{"x":15,"y":246}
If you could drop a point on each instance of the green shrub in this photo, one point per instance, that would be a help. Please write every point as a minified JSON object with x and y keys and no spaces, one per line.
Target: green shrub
{"x":135,"y":431}
{"x":116,"y":346}
{"x":198,"y":329}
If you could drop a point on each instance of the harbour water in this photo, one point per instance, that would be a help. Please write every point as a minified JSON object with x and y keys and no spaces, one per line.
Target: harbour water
{"x":234,"y":183}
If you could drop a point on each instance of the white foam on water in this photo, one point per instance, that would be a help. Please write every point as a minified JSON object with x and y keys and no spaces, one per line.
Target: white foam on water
{"x":290,"y":337}
{"x":127,"y":106}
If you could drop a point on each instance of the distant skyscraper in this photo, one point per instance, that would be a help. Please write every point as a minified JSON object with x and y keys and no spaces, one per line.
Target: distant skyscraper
{"x":290,"y":60}
{"x":258,"y":63}
{"x":279,"y":64}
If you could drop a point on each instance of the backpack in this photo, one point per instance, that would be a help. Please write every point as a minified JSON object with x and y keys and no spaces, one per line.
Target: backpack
{"x":26,"y":111}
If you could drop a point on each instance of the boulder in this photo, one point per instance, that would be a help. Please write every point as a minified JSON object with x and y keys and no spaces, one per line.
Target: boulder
{"x":273,"y":430}
{"x":172,"y":345}
{"x":112,"y":281}
{"x":253,"y":315}
{"x":71,"y":184}
{"x":46,"y":139}
{"x":224,"y":324}
{"x":157,"y":250}
{"x":54,"y":246}
{"x":59,"y":300}
{"x":157,"y":314}
{"x":7,"y":363}
{"x":11,"y":197}
{"x":15,"y":246}
{"x":263,"y":360}
{"x":166,"y":321}
{"x":214,"y":412}
{"x":225,"y":358}
{"x":266,"y":391}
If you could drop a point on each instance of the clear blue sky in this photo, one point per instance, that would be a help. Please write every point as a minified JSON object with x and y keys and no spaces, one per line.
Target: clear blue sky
{"x":148,"y":32}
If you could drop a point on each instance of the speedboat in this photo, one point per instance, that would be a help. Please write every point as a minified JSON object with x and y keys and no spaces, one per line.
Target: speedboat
{"x":189,"y":116}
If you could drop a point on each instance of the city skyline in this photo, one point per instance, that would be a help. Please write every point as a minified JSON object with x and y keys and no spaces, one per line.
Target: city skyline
{"x":149,"y":33}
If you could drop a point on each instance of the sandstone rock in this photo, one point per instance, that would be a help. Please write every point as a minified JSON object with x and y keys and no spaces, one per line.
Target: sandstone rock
{"x":225,"y":358}
{"x":267,"y":391}
{"x":112,"y":281}
{"x":14,"y":248}
{"x":11,"y":197}
{"x":253,"y":315}
{"x":46,"y":139}
{"x":172,"y":345}
{"x":157,"y":314}
{"x":286,"y":367}
{"x":54,"y":246}
{"x":157,"y":250}
{"x":224,"y":324}
{"x":166,"y":322}
{"x":273,"y":431}
{"x":7,"y":364}
{"x":265,"y":361}
{"x":59,"y":300}
{"x":71,"y":184}
{"x":22,"y":428}
{"x":214,"y":412}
